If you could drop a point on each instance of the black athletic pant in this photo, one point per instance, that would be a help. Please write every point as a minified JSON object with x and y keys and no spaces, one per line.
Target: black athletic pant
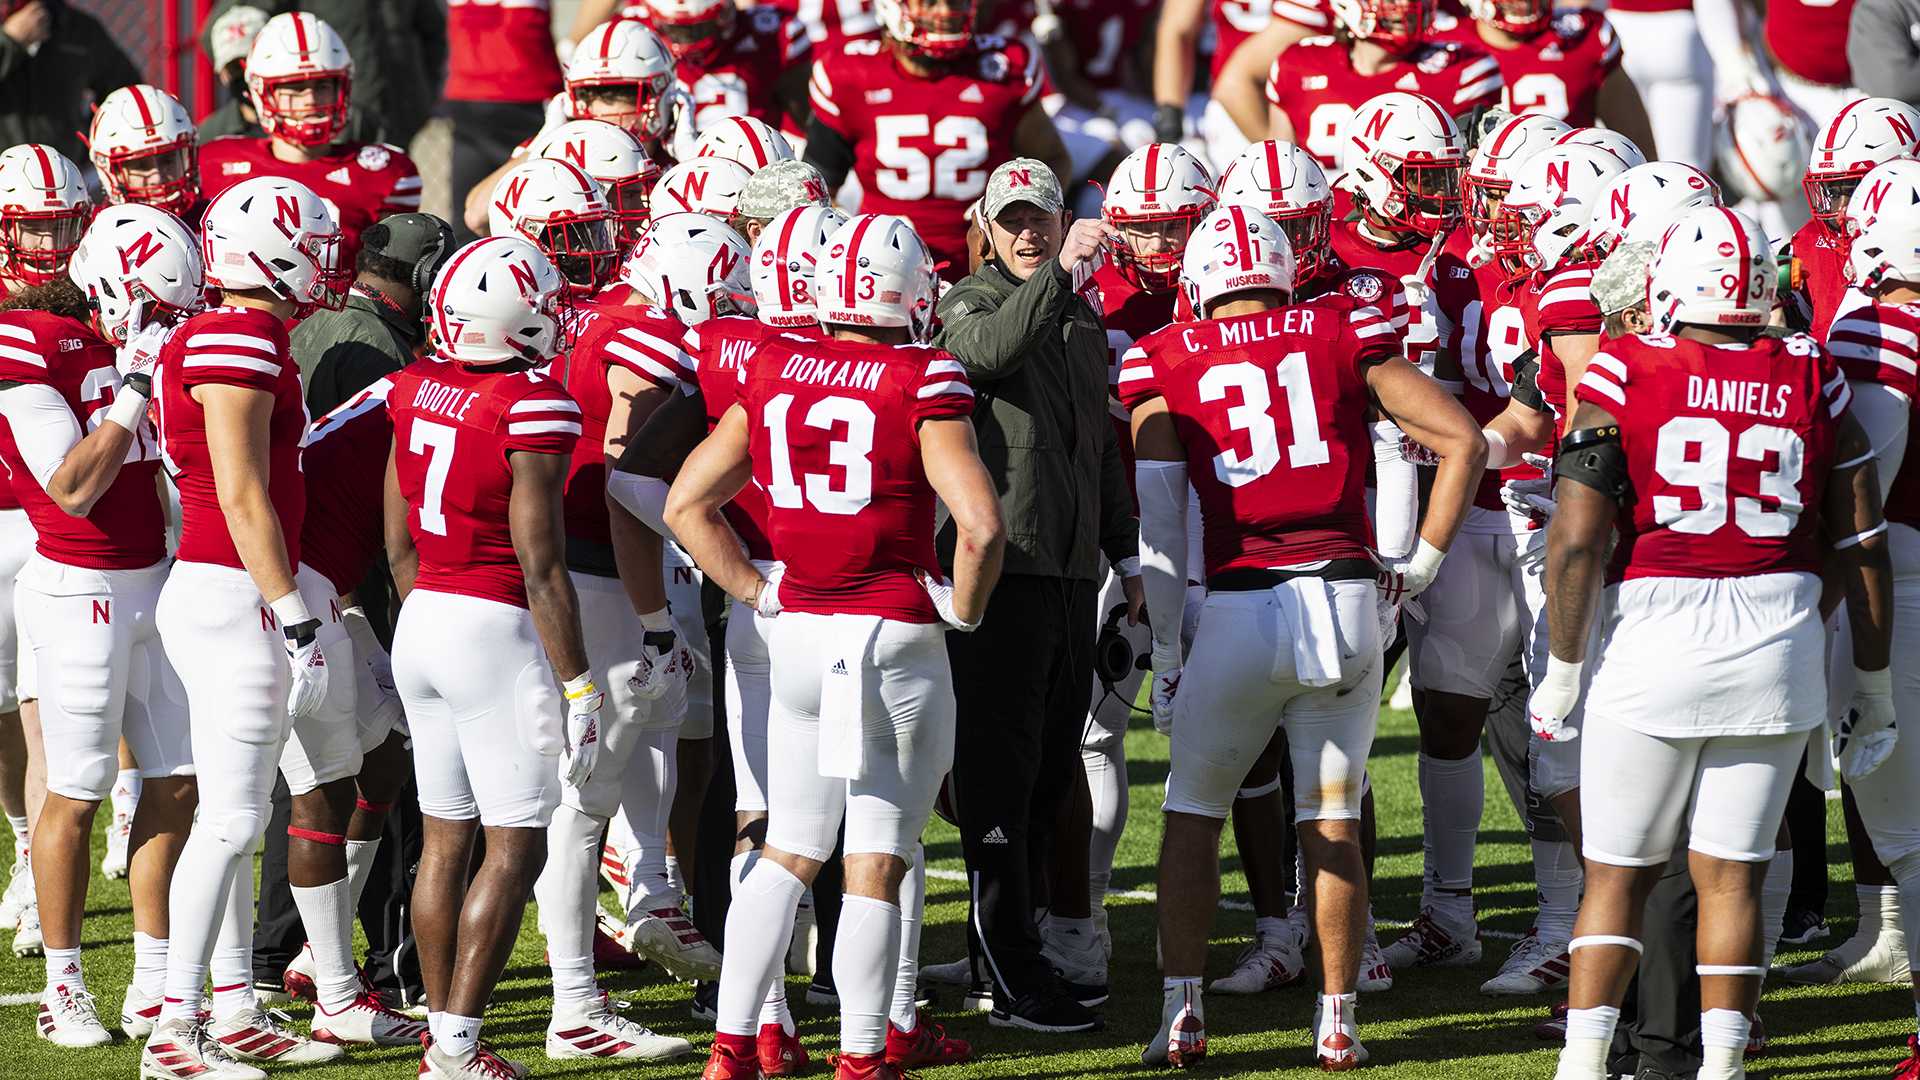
{"x":1020,"y":683}
{"x":1807,"y":822}
{"x":484,"y":133}
{"x":1660,"y":1019}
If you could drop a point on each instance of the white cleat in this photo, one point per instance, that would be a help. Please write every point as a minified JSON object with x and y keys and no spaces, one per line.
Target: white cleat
{"x":1268,"y":964}
{"x":1880,"y":959}
{"x":1535,"y":966}
{"x":1376,"y":975}
{"x":366,"y":1022}
{"x":139,"y":1011}
{"x":1080,"y":959}
{"x":1182,"y":1039}
{"x":1429,"y":942}
{"x":18,"y":896}
{"x":668,"y":937}
{"x":260,"y":1036}
{"x":1336,"y":1039}
{"x":599,"y":1031}
{"x":806,"y":934}
{"x":68,"y":1017}
{"x":113,"y":865}
{"x":26,"y":933}
{"x":182,"y":1050}
{"x":297,"y":979}
{"x":481,"y":1064}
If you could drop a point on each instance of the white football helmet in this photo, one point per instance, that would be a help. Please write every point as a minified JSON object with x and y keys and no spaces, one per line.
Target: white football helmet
{"x":938,"y":34}
{"x":708,"y":185}
{"x":1490,"y":173}
{"x":1863,"y":134}
{"x":1154,"y":199}
{"x":877,"y":272}
{"x":693,"y":29}
{"x":1236,"y":249}
{"x":43,"y":212}
{"x":1395,"y":25}
{"x":144,"y":145}
{"x":268,"y":232}
{"x":293,"y":55}
{"x":138,"y":264}
{"x":497,"y":301}
{"x":1640,"y":203}
{"x":751,"y":142}
{"x":1285,"y":183}
{"x":616,"y":61}
{"x":611,"y":155}
{"x":1714,"y":268}
{"x":1883,"y":223}
{"x":1404,"y":157}
{"x":784,"y":260}
{"x":559,"y":208}
{"x":1546,"y":210}
{"x":694,"y":266}
{"x":1761,"y":148}
{"x":1523,"y":18}
{"x":1613,"y":142}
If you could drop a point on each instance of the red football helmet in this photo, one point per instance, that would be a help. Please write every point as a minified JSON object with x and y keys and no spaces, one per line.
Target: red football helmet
{"x":1522,"y":17}
{"x":693,"y":29}
{"x":1394,"y":25}
{"x":938,"y":29}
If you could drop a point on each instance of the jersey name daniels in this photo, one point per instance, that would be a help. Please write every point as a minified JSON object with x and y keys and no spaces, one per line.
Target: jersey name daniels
{"x":1738,"y":395}
{"x":1287,"y":321}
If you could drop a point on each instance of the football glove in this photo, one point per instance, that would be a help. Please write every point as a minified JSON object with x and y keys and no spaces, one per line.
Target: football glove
{"x":1865,"y":736}
{"x":664,"y":663}
{"x":309,"y":666}
{"x":1165,"y":685}
{"x":1554,"y":699}
{"x":1531,"y":498}
{"x":141,"y":352}
{"x":940,"y":591}
{"x":1404,"y":578}
{"x":767,"y":603}
{"x":583,"y":729}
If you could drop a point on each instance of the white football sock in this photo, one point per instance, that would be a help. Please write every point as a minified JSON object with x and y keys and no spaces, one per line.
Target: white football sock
{"x":906,"y":980}
{"x":325,"y":912}
{"x":149,"y":963}
{"x":459,"y":1035}
{"x":565,"y":892}
{"x":231,"y":965}
{"x":63,"y":969}
{"x":1723,"y":1044}
{"x":124,"y":796}
{"x":1879,"y":909}
{"x":1775,"y":888}
{"x":865,"y":952}
{"x":1558,"y":879}
{"x":1270,"y":927}
{"x":646,"y":799}
{"x":360,"y":857}
{"x":196,"y":899}
{"x":774,"y":1009}
{"x":1106,"y":769}
{"x":759,"y":923}
{"x":1452,"y":795}
{"x":1589,"y":1037}
{"x":21,"y":834}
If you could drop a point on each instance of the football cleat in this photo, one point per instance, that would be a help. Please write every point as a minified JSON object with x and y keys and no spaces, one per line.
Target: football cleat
{"x":1182,"y":1039}
{"x":956,"y":973}
{"x":730,"y":1060}
{"x":1881,"y":958}
{"x":1269,"y":963}
{"x":1756,"y":1037}
{"x":1534,"y":966}
{"x":1428,"y":943}
{"x":597,"y":1030}
{"x":297,"y":979}
{"x":260,"y":1036}
{"x":1336,"y":1040}
{"x":1554,"y":1027}
{"x":610,"y":952}
{"x":667,"y":936}
{"x":614,"y":866}
{"x":1376,"y":975}
{"x":1909,"y":1068}
{"x":926,"y":1046}
{"x":481,"y":1064}
{"x":18,"y":896}
{"x":139,"y":1011}
{"x":26,"y":933}
{"x":865,"y":1067}
{"x":366,"y":1021}
{"x":183,"y":1050}
{"x":780,"y":1052}
{"x":68,"y":1017}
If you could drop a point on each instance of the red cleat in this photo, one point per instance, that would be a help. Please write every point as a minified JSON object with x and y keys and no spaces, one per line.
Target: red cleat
{"x":780,"y":1053}
{"x":865,"y":1067}
{"x":926,"y":1045}
{"x":733,"y":1058}
{"x":1910,"y":1068}
{"x":610,"y":955}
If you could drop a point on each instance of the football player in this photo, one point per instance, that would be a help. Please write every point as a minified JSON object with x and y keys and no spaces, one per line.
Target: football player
{"x":1289,"y":573}
{"x":1249,"y":36}
{"x":1877,"y":346}
{"x":1682,"y":56}
{"x":1717,"y":579}
{"x":857,"y":609}
{"x":921,"y":115}
{"x":1093,"y":50}
{"x":1807,"y":44}
{"x":1315,"y":88}
{"x":1862,"y":135}
{"x":300,"y":80}
{"x":85,"y":459}
{"x":144,"y":146}
{"x":614,"y":158}
{"x":735,"y":62}
{"x":474,"y":534}
{"x":1564,"y":64}
{"x":236,"y":616}
{"x":772,"y":191}
{"x":558,"y":208}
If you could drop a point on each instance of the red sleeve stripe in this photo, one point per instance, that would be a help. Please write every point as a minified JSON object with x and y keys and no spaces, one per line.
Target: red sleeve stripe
{"x":18,"y":333}
{"x":19,"y":355}
{"x":1849,"y":349}
{"x":1611,"y":365}
{"x":232,"y":360}
{"x":1308,"y":15}
{"x":1567,"y":293}
{"x":233,"y":341}
{"x":946,"y":367}
{"x":407,"y":183}
{"x":1837,"y":401}
{"x":1598,"y":382}
{"x":1373,"y":329}
{"x":645,"y":362}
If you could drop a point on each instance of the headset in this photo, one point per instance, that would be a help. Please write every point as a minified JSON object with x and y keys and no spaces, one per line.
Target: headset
{"x":1113,"y":655}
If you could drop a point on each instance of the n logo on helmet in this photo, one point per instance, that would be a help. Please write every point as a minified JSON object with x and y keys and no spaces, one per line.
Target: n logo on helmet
{"x":1559,"y":174}
{"x":576,"y":153}
{"x":524,"y":279}
{"x":1620,"y":211}
{"x":138,"y":253}
{"x":1901,"y":128}
{"x":725,"y":262}
{"x":1876,"y":195}
{"x":515,"y":188}
{"x":1377,"y":124}
{"x":286,"y":213}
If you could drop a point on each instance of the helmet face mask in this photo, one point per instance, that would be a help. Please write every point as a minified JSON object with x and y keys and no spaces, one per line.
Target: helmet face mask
{"x":168,"y":177}
{"x":628,"y":201}
{"x":39,"y":243}
{"x":933,"y":29}
{"x":1152,"y":246}
{"x":699,"y":41}
{"x":1395,"y":25}
{"x":307,"y":110}
{"x":581,"y":247}
{"x":1522,"y":17}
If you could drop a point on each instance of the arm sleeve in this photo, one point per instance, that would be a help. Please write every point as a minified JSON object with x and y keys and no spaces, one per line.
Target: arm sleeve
{"x":1163,"y":551}
{"x":828,"y":151}
{"x":1396,"y":497}
{"x":1883,"y":411}
{"x":545,"y":421}
{"x":995,"y":343}
{"x":44,"y":428}
{"x":1119,"y":529}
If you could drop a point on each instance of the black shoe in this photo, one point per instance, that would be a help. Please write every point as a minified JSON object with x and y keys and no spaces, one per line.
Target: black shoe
{"x":1089,"y":994}
{"x":978,"y":997}
{"x":823,"y":992}
{"x":1803,"y":927}
{"x":1049,"y":1009}
{"x":706,"y":1001}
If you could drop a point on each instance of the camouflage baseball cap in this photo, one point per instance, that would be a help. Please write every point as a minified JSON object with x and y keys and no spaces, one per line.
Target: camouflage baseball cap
{"x":780,"y":187}
{"x":1621,"y":281}
{"x":1022,"y":180}
{"x":231,"y":37}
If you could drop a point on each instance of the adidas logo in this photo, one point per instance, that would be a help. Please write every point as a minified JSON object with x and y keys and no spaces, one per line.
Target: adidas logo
{"x":340,"y":176}
{"x":840,"y":668}
{"x":994,"y":836}
{"x":972,"y":94}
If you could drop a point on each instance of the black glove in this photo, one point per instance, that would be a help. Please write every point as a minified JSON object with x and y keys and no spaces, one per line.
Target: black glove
{"x":1169,"y":123}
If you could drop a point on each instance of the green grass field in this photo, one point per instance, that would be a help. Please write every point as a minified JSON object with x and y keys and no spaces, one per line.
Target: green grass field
{"x":1433,"y":1025}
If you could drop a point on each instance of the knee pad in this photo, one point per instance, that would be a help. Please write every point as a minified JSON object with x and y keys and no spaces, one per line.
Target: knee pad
{"x":237,"y":827}
{"x":88,"y":777}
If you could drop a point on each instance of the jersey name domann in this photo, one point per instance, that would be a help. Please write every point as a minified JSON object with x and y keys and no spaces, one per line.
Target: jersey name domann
{"x":858,"y":374}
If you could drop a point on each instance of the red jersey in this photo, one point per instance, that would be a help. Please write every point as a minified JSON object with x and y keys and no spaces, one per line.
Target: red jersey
{"x":641,"y":338}
{"x":829,"y":23}
{"x":1240,"y":389}
{"x":1557,"y":72}
{"x":1809,"y":39}
{"x":230,"y":346}
{"x":1651,"y":5}
{"x":346,"y":467}
{"x":124,"y":530}
{"x":360,"y":182}
{"x":743,"y":78}
{"x":1818,"y":277}
{"x":1232,"y":22}
{"x":1106,"y":34}
{"x":834,"y":436}
{"x":1315,"y":84}
{"x":1312,"y":14}
{"x":1489,"y":336}
{"x":923,"y":147}
{"x":1880,"y":343}
{"x":720,"y":350}
{"x":1553,"y":303}
{"x":1427,"y":330}
{"x":454,"y":429}
{"x":500,"y":50}
{"x":1728,"y":451}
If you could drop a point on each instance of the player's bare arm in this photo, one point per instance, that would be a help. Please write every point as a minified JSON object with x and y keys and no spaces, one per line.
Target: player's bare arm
{"x":403,"y":559}
{"x":1036,"y":137}
{"x":1575,"y":352}
{"x":1241,"y":89}
{"x":1619,"y":107}
{"x":713,"y":474}
{"x":952,"y":459}
{"x":1438,"y":421}
{"x":1175,"y":42}
{"x":237,"y":421}
{"x":1581,"y":528}
{"x":539,"y":529}
{"x":1857,"y":545}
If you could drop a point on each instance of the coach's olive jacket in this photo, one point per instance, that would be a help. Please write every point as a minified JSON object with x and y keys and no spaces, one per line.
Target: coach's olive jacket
{"x":1036,"y":353}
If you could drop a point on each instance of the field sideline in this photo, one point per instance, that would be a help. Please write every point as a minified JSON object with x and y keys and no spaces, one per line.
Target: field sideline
{"x":1434,"y":1025}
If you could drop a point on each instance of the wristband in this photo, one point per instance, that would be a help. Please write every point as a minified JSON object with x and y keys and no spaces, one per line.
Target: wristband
{"x":1873,"y":683}
{"x":1128,"y":567}
{"x":656,"y":621}
{"x":291,"y":610}
{"x":580,"y":686}
{"x":1426,"y":559}
{"x":129,"y":406}
{"x":1859,"y":538}
{"x":1499,"y":454}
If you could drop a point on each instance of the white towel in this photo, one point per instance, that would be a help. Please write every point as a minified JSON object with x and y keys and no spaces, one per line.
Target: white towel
{"x":843,"y":695}
{"x":1306,"y":614}
{"x":538,"y":708}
